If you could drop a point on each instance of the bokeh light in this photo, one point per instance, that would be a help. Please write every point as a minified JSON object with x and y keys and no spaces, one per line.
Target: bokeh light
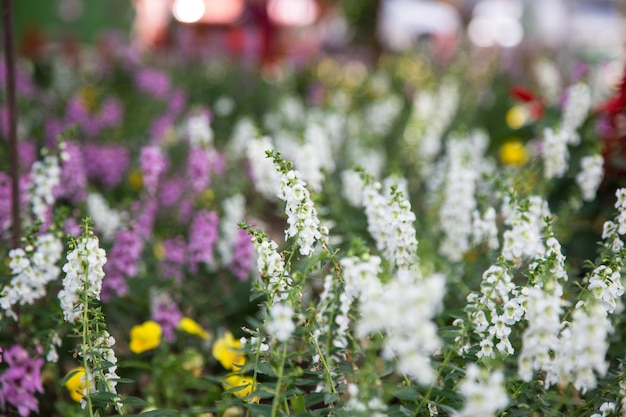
{"x":293,"y":12}
{"x":188,"y":11}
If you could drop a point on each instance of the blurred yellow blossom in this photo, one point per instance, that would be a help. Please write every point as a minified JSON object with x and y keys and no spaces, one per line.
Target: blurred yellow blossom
{"x":190,"y":326}
{"x":513,"y":152}
{"x":159,"y":251}
{"x":135,"y":179}
{"x":235,"y":381}
{"x":228,"y":351}
{"x":145,"y":336}
{"x":75,"y":384}
{"x":516,"y":117}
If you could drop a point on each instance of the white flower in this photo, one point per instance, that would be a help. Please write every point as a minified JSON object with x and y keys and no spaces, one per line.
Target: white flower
{"x":301,"y":213}
{"x":484,"y":393}
{"x":352,"y":187}
{"x":264,"y":176}
{"x":390,"y":223}
{"x":234,"y":209}
{"x":83,"y":272}
{"x":199,"y":130}
{"x":280,"y":323}
{"x":32,"y":270}
{"x":45,"y":176}
{"x":107,"y":221}
{"x":271,"y":268}
{"x":590,"y":176}
{"x":555,"y":154}
{"x":575,"y":111}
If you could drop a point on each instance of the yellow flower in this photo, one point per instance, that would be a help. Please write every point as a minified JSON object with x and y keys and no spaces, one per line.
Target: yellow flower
{"x":516,"y":117}
{"x":145,"y":336}
{"x":135,"y":179}
{"x":159,"y":251}
{"x":190,"y":326}
{"x":513,"y":152}
{"x":75,"y":384}
{"x":236,"y":381}
{"x":228,"y":351}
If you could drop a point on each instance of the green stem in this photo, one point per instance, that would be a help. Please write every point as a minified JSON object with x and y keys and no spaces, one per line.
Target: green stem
{"x":329,"y":378}
{"x":256,"y":366}
{"x":426,"y":398}
{"x":85,"y":345}
{"x":276,"y":400}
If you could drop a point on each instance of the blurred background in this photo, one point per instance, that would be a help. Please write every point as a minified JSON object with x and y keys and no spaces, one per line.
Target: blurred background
{"x":263,"y":31}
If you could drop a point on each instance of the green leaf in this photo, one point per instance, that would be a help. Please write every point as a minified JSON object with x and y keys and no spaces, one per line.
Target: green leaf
{"x":154,"y":413}
{"x":406,"y":394}
{"x":297,"y":403}
{"x":260,"y":410}
{"x":330,"y":397}
{"x":266,"y":369}
{"x":135,"y":401}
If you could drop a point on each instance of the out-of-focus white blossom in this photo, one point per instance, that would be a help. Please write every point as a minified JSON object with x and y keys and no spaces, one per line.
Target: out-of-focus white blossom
{"x":590,"y":176}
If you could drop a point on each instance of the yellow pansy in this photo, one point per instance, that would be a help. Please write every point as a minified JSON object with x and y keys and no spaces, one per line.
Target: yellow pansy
{"x":145,"y":336}
{"x":228,"y":351}
{"x":75,"y":384}
{"x":513,"y":152}
{"x":236,"y":381}
{"x":190,"y":326}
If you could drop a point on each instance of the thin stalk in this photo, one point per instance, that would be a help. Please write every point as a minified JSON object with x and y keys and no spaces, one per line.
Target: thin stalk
{"x":329,"y":378}
{"x":445,"y":362}
{"x":85,"y":345}
{"x":9,"y":61}
{"x":276,"y":400}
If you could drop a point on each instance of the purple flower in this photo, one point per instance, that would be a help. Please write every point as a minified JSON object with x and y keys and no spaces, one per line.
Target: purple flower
{"x":153,"y":164}
{"x":171,"y":191}
{"x":153,"y":82}
{"x":111,"y":113}
{"x":4,"y":121}
{"x":144,"y":222}
{"x":122,"y":263}
{"x":5,"y":201}
{"x":73,"y":185}
{"x":27,"y":151}
{"x":243,"y":257}
{"x":21,"y":381}
{"x":72,"y":227}
{"x":167,"y":314}
{"x":53,"y":128}
{"x":160,"y":126}
{"x":198,"y":168}
{"x":174,"y":260}
{"x":177,"y":103}
{"x":106,"y":164}
{"x":77,"y":113}
{"x":203,"y":235}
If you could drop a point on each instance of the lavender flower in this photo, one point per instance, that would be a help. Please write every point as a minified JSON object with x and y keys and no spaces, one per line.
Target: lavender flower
{"x":203,"y":235}
{"x":172,"y":265}
{"x":153,"y":82}
{"x":243,"y":259}
{"x":198,"y":168}
{"x":147,"y":210}
{"x":171,"y":191}
{"x":111,"y":113}
{"x":122,"y":264}
{"x":167,"y":314}
{"x":106,"y":164}
{"x":73,"y":184}
{"x":153,"y":165}
{"x":21,"y":381}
